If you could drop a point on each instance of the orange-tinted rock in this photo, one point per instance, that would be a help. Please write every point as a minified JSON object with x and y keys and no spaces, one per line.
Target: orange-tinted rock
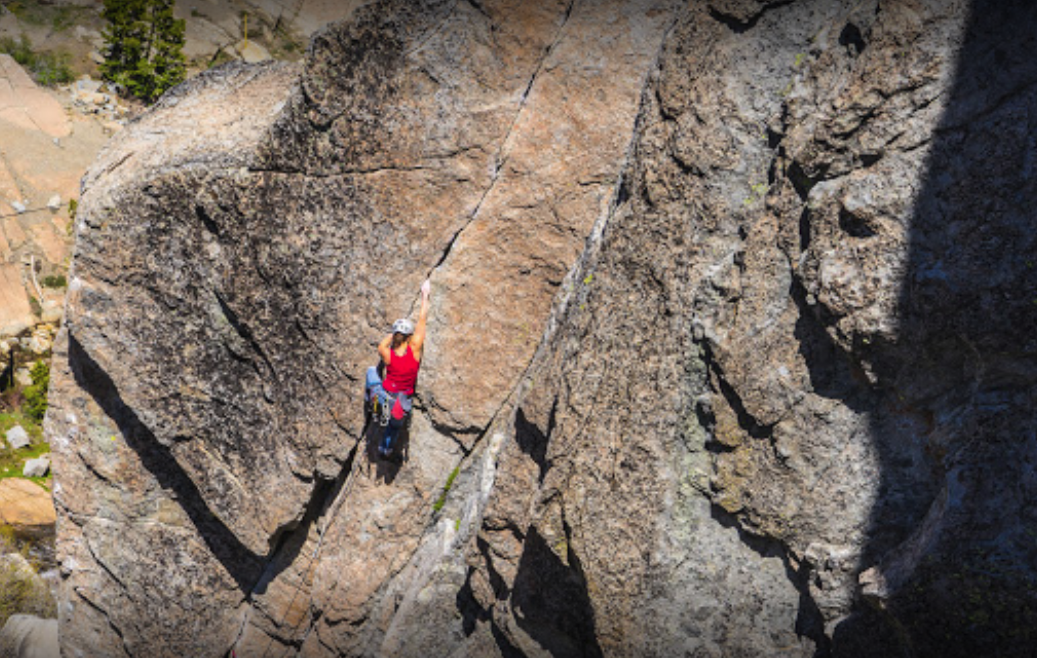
{"x":25,"y":105}
{"x":26,"y":507}
{"x":244,"y":245}
{"x":15,"y":312}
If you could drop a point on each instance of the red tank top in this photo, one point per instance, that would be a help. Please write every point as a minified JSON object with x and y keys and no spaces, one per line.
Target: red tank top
{"x":401,"y":373}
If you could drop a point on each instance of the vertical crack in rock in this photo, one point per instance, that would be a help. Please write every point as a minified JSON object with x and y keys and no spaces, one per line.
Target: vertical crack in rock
{"x":327,"y":497}
{"x":577,"y":270}
{"x":746,"y":420}
{"x":500,"y":158}
{"x":207,"y":221}
{"x":108,"y":619}
{"x":478,"y":6}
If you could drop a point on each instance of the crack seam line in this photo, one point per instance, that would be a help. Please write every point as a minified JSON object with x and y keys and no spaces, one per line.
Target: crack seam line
{"x":107,"y":617}
{"x":330,"y":511}
{"x":105,"y":568}
{"x":501,"y":158}
{"x":433,"y":33}
{"x":597,"y":232}
{"x":553,"y":321}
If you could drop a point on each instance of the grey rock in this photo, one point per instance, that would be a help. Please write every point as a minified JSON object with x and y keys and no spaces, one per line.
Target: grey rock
{"x":23,"y":377}
{"x":53,"y":310}
{"x":26,"y":636}
{"x":239,"y":136}
{"x":87,"y":86}
{"x":18,"y":206}
{"x":17,"y":437}
{"x":36,"y":468}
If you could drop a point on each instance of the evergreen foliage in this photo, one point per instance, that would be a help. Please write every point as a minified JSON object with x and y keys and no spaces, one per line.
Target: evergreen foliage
{"x":143,"y":43}
{"x":36,"y":395}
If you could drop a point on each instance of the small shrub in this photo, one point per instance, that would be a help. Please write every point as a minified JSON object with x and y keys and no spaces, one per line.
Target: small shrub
{"x":65,"y":17}
{"x":221,"y":57}
{"x":8,"y":540}
{"x":55,"y":281}
{"x":36,"y":395}
{"x":23,"y":593}
{"x":47,"y":68}
{"x":53,"y":69}
{"x":19,"y":49}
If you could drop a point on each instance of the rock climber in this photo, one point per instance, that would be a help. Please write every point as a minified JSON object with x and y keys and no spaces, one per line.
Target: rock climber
{"x":401,"y":354}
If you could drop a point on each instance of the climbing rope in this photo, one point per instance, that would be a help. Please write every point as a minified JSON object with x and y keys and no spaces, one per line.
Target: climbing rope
{"x":29,"y":210}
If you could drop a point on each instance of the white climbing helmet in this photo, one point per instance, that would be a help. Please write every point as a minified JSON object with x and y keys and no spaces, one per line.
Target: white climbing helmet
{"x":403,"y":326}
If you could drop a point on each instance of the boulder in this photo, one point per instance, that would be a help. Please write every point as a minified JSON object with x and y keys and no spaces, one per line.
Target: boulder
{"x":27,"y":507}
{"x":730,"y":350}
{"x":251,"y":52}
{"x":23,"y":377}
{"x":38,"y":344}
{"x":52,"y":311}
{"x":36,"y":468}
{"x":26,"y":636}
{"x":17,"y":437}
{"x":491,"y":163}
{"x":87,"y":85}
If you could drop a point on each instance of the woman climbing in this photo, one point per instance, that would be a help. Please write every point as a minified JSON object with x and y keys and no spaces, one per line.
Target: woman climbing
{"x":401,"y":354}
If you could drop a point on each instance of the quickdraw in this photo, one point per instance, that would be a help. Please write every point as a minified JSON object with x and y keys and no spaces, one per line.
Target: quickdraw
{"x":383,"y":408}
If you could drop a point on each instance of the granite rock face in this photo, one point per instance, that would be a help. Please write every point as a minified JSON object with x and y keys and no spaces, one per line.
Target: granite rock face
{"x":730,"y":348}
{"x":233,"y":274}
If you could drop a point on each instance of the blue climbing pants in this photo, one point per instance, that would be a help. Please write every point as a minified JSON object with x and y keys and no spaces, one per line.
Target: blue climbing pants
{"x":393,"y":406}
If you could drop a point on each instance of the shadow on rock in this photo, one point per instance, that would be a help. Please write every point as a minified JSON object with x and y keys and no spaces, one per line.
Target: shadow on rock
{"x":243,"y":565}
{"x":964,"y":584}
{"x":551,"y":603}
{"x":386,"y":468}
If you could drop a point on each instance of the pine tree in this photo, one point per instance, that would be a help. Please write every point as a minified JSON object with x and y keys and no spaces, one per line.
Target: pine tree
{"x":143,"y":44}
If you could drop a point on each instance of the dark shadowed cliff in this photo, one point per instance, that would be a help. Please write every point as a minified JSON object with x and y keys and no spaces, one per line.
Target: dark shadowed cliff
{"x":731,"y":346}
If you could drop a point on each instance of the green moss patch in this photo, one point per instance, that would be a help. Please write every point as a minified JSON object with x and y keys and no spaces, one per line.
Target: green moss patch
{"x":446,"y":489}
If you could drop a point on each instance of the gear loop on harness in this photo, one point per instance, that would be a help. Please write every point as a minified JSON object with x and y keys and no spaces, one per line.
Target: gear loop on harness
{"x":386,"y":411}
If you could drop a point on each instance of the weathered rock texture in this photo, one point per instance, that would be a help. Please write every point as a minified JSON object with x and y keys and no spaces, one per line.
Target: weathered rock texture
{"x":26,"y":507}
{"x":730,"y":351}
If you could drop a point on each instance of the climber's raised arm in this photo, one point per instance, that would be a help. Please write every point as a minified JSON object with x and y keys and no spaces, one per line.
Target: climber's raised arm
{"x":418,"y":340}
{"x":384,"y":347}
